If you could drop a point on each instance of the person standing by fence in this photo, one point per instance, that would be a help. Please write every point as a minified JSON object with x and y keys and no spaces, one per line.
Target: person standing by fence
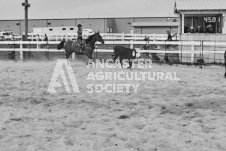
{"x":46,"y":40}
{"x":170,"y":57}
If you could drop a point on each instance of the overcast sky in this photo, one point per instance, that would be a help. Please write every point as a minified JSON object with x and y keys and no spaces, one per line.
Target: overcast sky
{"x":56,"y":9}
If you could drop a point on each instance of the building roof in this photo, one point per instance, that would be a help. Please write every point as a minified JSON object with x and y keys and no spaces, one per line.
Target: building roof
{"x":203,"y":5}
{"x":154,"y":24}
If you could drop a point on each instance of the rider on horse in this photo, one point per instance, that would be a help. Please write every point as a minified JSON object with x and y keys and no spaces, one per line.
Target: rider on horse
{"x":79,"y":37}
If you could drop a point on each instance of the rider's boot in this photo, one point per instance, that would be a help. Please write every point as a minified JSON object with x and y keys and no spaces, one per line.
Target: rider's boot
{"x":81,"y":48}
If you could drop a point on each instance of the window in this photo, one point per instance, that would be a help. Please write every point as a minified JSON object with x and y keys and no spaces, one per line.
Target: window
{"x":109,"y":29}
{"x":50,"y":29}
{"x":63,"y":28}
{"x":71,"y":28}
{"x":203,"y":24}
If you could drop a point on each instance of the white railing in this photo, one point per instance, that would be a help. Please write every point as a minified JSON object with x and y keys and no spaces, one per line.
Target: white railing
{"x":105,"y":36}
{"x":131,"y":43}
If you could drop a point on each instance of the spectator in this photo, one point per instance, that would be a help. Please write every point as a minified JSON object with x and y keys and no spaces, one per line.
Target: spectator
{"x":198,"y":30}
{"x":209,"y":29}
{"x":202,"y":29}
{"x":186,"y":28}
{"x":192,"y":30}
{"x":46,"y":39}
{"x":169,"y":38}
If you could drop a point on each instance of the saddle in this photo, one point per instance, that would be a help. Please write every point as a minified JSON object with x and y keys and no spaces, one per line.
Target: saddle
{"x":79,"y":44}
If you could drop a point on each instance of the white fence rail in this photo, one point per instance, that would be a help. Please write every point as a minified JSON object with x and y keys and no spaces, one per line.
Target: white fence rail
{"x":105,"y":36}
{"x":131,"y":43}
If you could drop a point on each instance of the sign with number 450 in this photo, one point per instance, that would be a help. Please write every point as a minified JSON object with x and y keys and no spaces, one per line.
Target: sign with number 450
{"x":210,"y":19}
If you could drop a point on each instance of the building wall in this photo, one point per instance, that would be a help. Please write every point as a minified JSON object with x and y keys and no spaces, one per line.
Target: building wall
{"x":10,"y":25}
{"x":60,"y":22}
{"x":156,"y":19}
{"x":119,"y":25}
{"x":111,"y":23}
{"x":123,"y":25}
{"x":95,"y":24}
{"x":157,"y":30}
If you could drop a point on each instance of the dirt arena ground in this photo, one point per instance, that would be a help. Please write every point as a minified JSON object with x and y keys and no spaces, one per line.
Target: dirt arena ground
{"x":184,"y":115}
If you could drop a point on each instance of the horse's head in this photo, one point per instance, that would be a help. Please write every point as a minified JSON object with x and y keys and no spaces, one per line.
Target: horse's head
{"x":98,"y":37}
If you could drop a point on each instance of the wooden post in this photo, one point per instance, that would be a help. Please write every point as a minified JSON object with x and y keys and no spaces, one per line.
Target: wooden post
{"x":123,"y":36}
{"x":73,"y":56}
{"x":192,"y":55}
{"x":131,"y":44}
{"x":21,"y":51}
{"x":182,"y":28}
{"x":154,"y":36}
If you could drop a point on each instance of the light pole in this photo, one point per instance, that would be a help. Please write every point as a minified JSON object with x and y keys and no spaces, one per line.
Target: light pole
{"x":26,"y":5}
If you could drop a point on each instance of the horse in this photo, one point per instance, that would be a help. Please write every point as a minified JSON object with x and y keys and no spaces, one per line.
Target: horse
{"x":75,"y":47}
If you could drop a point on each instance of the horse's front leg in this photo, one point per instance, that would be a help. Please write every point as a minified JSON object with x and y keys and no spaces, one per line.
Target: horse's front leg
{"x":90,"y":60}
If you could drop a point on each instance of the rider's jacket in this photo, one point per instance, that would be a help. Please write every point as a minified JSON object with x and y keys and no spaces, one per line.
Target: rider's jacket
{"x":79,"y":32}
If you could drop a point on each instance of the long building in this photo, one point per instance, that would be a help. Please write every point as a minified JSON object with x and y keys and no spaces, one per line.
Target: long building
{"x":142,"y":25}
{"x":189,"y":16}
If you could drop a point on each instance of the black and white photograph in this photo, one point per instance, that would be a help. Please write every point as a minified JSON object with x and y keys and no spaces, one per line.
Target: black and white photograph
{"x":113,"y":75}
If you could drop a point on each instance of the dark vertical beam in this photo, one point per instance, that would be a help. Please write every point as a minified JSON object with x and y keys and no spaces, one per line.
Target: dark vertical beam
{"x":26,"y":5}
{"x":26,"y":19}
{"x":20,"y":29}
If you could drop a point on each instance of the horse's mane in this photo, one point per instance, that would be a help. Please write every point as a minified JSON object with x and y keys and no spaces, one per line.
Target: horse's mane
{"x":90,"y":38}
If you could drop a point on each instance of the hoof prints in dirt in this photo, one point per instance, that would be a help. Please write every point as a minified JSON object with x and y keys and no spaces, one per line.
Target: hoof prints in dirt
{"x":214,"y":106}
{"x":123,"y":117}
{"x":171,"y":110}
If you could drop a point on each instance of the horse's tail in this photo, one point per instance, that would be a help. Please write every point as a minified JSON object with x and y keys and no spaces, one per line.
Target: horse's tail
{"x":225,"y":55}
{"x":224,"y":59}
{"x":60,"y":45}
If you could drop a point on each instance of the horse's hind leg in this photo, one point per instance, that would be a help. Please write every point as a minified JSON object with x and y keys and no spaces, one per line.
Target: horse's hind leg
{"x":114,"y":58}
{"x":130,"y":64}
{"x":121,"y":62}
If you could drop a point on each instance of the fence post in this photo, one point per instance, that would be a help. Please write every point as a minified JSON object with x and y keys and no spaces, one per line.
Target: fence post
{"x":131,"y":44}
{"x":192,"y":54}
{"x":21,"y":51}
{"x":73,"y":56}
{"x":201,"y":55}
{"x":123,"y":36}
